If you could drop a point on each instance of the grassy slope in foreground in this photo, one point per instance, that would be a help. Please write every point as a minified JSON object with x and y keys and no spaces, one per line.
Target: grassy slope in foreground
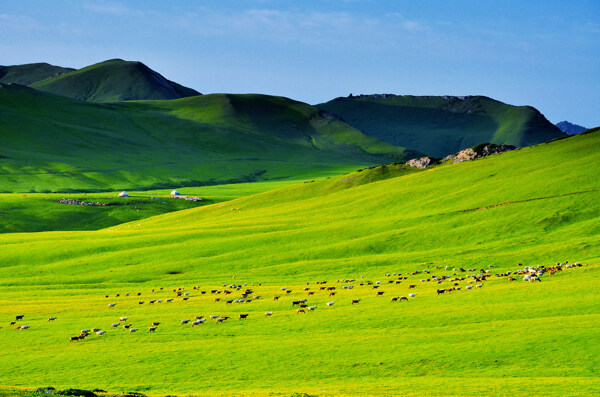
{"x":538,"y":206}
{"x":52,"y":143}
{"x":442,"y":125}
{"x":112,"y":81}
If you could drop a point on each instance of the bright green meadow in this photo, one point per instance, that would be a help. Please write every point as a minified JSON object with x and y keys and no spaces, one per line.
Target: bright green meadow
{"x":534,"y":206}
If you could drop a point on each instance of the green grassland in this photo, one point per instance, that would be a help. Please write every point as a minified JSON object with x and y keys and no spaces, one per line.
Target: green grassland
{"x":57,"y":144}
{"x":36,"y":212}
{"x":443,"y":125}
{"x":534,"y":206}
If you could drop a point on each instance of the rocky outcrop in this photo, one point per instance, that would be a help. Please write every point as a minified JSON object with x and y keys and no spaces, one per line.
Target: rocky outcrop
{"x":421,"y":163}
{"x":482,"y":150}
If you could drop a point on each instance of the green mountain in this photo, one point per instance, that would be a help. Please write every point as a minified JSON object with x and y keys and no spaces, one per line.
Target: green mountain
{"x":442,"y":125}
{"x":53,"y":143}
{"x":30,"y":73}
{"x":112,"y":81}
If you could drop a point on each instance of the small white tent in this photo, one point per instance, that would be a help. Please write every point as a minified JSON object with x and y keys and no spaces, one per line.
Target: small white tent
{"x":175,"y":193}
{"x":123,"y":194}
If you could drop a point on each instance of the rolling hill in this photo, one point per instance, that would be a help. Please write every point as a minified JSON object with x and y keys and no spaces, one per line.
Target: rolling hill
{"x":530,"y":207}
{"x":442,"y":125}
{"x":30,"y":73}
{"x":112,"y":81}
{"x":53,"y":143}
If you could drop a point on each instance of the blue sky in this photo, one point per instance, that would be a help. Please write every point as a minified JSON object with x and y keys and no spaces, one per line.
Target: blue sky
{"x":540,"y":53}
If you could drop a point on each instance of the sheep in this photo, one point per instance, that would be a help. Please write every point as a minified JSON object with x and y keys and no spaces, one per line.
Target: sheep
{"x":243,"y":316}
{"x":412,"y":295}
{"x":221,"y":319}
{"x":126,"y":326}
{"x":312,"y":308}
{"x":394,"y":299}
{"x":276,"y":297}
{"x":403,"y":298}
{"x":151,"y":329}
{"x":469,"y":287}
{"x":198,"y":322}
{"x":132,"y":330}
{"x":95,"y":329}
{"x":51,"y":318}
{"x":267,"y":314}
{"x":17,"y":318}
{"x":183,"y":322}
{"x":85,"y":331}
{"x":379,"y":293}
{"x":479,"y":285}
{"x":74,"y":338}
{"x":213,"y":316}
{"x":123,"y":318}
{"x":355,"y":301}
{"x":99,"y":333}
{"x":330,"y":303}
{"x":25,"y":327}
{"x":114,"y":325}
{"x":112,"y":304}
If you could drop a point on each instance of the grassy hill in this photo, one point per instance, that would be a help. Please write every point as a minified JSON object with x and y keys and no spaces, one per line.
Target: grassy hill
{"x":52,"y":143}
{"x":112,"y":81}
{"x":534,"y":206}
{"x":442,"y":125}
{"x":30,"y":73}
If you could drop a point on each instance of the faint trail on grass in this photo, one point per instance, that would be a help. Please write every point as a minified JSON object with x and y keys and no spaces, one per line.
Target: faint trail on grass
{"x":524,"y":201}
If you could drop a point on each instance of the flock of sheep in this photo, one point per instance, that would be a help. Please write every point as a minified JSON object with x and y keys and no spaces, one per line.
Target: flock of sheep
{"x":247,"y":294}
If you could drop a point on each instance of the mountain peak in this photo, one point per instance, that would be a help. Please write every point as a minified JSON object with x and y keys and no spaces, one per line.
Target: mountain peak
{"x":114,"y":80}
{"x":570,"y":128}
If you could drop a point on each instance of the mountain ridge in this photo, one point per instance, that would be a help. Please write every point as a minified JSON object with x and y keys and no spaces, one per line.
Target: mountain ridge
{"x":442,"y":125}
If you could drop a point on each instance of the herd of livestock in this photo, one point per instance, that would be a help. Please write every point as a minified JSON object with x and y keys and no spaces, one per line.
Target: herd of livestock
{"x":243,"y":294}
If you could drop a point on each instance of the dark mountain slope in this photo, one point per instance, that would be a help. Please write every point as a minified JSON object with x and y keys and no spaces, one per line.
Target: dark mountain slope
{"x":442,"y":125}
{"x":30,"y":73}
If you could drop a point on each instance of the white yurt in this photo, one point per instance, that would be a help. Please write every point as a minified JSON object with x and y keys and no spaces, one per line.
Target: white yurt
{"x":123,"y":194}
{"x":175,"y":193}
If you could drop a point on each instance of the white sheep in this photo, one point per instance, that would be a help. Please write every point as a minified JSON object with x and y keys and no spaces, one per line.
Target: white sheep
{"x":330,"y":303}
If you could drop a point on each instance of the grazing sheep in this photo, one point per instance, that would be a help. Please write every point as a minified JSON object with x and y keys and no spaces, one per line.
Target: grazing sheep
{"x":412,"y":286}
{"x":330,"y":303}
{"x":183,"y":322}
{"x":469,"y":287}
{"x":51,"y":318}
{"x":17,"y":318}
{"x":25,"y":327}
{"x":75,"y":338}
{"x":379,"y":293}
{"x":394,"y":299}
{"x":114,"y":325}
{"x":126,"y":326}
{"x":479,"y":285}
{"x":403,"y":298}
{"x":312,"y":308}
{"x":198,"y":322}
{"x":85,"y":331}
{"x":213,"y":316}
{"x":276,"y":298}
{"x":123,"y":318}
{"x":243,"y":316}
{"x":299,"y":311}
{"x":112,"y":304}
{"x":99,"y":333}
{"x":95,"y":329}
{"x":355,"y":301}
{"x":132,"y":330}
{"x":268,"y":314}
{"x":170,"y":300}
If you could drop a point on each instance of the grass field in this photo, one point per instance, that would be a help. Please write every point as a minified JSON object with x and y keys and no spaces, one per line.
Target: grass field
{"x":534,"y":206}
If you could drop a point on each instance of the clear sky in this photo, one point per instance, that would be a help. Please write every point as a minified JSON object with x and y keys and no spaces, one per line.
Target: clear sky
{"x":540,"y":53}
